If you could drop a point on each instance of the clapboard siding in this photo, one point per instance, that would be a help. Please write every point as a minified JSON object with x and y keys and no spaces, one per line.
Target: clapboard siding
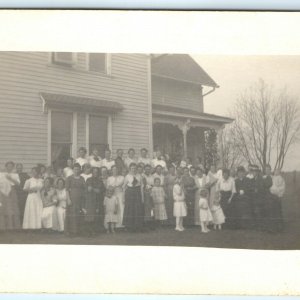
{"x":178,"y":94}
{"x":23,"y":124}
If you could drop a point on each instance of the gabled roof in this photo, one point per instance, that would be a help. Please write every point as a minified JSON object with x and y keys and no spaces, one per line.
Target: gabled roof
{"x":180,"y":67}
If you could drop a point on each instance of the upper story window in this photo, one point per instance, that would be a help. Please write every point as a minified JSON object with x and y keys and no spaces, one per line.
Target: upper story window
{"x":98,"y":62}
{"x":67,"y":59}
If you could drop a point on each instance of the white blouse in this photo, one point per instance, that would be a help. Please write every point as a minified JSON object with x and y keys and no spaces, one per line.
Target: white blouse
{"x":144,"y":160}
{"x":6,"y":184}
{"x":116,"y":181}
{"x":85,"y":176}
{"x":68,"y":172}
{"x":95,"y":163}
{"x":81,"y":161}
{"x":35,"y":184}
{"x":130,"y":178}
{"x":107,"y":163}
{"x":226,"y":185}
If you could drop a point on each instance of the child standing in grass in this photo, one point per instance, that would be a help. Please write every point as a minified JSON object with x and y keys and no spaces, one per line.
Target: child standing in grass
{"x":111,"y":210}
{"x":158,"y":196}
{"x":217,"y":214}
{"x":179,"y":209}
{"x":205,"y":213}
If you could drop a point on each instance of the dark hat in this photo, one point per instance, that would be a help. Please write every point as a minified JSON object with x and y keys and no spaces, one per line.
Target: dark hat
{"x":255,"y":168}
{"x":241,"y":169}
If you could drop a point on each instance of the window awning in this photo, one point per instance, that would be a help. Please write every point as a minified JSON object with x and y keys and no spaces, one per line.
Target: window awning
{"x":76,"y":103}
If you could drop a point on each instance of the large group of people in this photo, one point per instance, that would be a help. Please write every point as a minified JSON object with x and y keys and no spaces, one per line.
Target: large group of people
{"x":91,"y":195}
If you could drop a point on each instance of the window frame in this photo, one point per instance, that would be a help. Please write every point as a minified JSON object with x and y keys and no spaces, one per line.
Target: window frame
{"x":107,"y":64}
{"x":66,"y":64}
{"x":87,"y":129}
{"x":73,"y":144}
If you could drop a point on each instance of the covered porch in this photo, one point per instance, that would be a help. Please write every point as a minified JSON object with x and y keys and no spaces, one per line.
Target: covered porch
{"x":181,"y":132}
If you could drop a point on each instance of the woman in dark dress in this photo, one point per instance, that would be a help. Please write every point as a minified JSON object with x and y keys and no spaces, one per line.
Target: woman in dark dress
{"x":22,"y":195}
{"x":241,"y":201}
{"x":93,"y":203}
{"x":133,"y":218}
{"x":75,"y":187}
{"x":169,"y":185}
{"x":190,"y":188}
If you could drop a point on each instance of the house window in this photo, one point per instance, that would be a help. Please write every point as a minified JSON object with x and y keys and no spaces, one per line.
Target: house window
{"x":98,"y":133}
{"x":63,"y":58}
{"x":98,"y":62}
{"x":61,"y":138}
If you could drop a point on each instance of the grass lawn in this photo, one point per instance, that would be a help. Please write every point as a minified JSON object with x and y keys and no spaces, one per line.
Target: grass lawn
{"x":167,"y":236}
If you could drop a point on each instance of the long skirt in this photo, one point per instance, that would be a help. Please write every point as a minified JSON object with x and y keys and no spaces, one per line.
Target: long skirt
{"x":47,"y":217}
{"x":33,"y":212}
{"x":120,"y":197}
{"x":241,"y":214}
{"x":133,"y":211}
{"x":274,"y":218}
{"x":9,"y":211}
{"x":59,"y":216}
{"x":22,"y":196}
{"x":258,"y":210}
{"x":190,"y":203}
{"x":74,"y":216}
{"x":226,"y":207}
{"x":148,"y":207}
{"x":197,"y":208}
{"x":170,"y":205}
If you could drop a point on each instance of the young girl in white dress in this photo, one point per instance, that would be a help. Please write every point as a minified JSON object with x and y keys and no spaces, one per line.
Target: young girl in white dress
{"x":204,"y":211}
{"x":34,"y":206}
{"x":217,"y":214}
{"x":59,"y":214}
{"x":117,"y":181}
{"x":111,"y":209}
{"x":158,"y":196}
{"x":179,"y":209}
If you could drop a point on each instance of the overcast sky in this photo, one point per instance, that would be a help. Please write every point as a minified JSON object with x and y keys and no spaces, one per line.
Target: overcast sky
{"x":235,"y":73}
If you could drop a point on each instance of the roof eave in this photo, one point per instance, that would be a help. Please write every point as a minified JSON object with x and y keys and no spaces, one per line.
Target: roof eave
{"x":185,"y":81}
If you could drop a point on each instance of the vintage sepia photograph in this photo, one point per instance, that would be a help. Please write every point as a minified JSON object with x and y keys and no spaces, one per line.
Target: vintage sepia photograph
{"x":149,"y":152}
{"x":150,"y":149}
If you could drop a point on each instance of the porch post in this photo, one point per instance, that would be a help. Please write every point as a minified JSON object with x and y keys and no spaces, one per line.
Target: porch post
{"x":185,"y":128}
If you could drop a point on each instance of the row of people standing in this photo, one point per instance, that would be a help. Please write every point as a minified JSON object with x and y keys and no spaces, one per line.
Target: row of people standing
{"x":243,"y":199}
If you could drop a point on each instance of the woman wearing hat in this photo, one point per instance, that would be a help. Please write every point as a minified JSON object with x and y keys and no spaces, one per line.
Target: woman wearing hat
{"x":257,"y":197}
{"x":241,"y":201}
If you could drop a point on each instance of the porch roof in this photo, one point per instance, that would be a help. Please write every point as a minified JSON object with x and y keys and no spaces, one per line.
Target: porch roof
{"x":183,"y":113}
{"x":79,"y":103}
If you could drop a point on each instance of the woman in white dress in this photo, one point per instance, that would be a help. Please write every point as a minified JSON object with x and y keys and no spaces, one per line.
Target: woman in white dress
{"x":34,"y":206}
{"x":117,"y":181}
{"x":212,"y":180}
{"x":59,"y":214}
{"x":201,"y":184}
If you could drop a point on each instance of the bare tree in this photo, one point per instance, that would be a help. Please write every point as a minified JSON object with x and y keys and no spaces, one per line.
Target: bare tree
{"x":231,"y":154}
{"x":266,"y":125}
